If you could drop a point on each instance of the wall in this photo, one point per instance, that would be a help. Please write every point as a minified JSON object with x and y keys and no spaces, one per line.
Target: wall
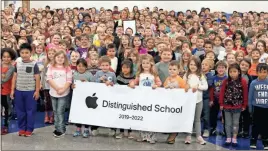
{"x":226,"y":6}
{"x":17,"y":3}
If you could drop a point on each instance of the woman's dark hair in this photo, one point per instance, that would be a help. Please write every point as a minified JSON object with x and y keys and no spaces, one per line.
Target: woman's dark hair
{"x":82,"y":61}
{"x":234,"y":66}
{"x":129,"y":64}
{"x":10,"y":51}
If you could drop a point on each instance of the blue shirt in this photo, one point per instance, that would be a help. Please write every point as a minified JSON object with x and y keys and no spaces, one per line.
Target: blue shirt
{"x":258,"y":94}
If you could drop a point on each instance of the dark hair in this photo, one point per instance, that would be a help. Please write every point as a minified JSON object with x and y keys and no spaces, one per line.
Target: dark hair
{"x":256,"y":50}
{"x":240,"y":33}
{"x":25,"y":46}
{"x":247,"y":61}
{"x":262,"y":66}
{"x":110,"y":46}
{"x":47,"y":7}
{"x":175,"y":63}
{"x":208,"y":42}
{"x":72,"y":51}
{"x":128,"y":63}
{"x":263,"y":43}
{"x":82,"y":61}
{"x":198,"y":66}
{"x":234,"y":66}
{"x":10,"y":51}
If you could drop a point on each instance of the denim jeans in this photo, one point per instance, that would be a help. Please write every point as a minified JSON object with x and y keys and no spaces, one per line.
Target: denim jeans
{"x":59,"y":105}
{"x":206,"y":114}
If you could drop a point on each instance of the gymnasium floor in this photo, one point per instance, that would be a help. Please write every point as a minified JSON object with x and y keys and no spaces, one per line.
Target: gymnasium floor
{"x":43,"y":140}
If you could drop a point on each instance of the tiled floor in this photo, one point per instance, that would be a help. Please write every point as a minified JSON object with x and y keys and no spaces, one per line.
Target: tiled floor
{"x":43,"y":140}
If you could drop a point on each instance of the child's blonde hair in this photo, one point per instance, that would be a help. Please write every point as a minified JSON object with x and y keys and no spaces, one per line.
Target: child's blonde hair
{"x":66,"y":62}
{"x":210,"y":63}
{"x":136,"y":54}
{"x":48,"y":61}
{"x":148,"y":57}
{"x":238,"y":53}
{"x":181,"y":60}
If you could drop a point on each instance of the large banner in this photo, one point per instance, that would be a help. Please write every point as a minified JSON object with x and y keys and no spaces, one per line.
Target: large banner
{"x":142,"y":108}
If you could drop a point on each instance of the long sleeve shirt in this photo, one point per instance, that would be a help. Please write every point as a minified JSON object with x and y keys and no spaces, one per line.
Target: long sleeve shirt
{"x":200,"y":82}
{"x":109,"y":76}
{"x":258,"y":94}
{"x":61,"y":76}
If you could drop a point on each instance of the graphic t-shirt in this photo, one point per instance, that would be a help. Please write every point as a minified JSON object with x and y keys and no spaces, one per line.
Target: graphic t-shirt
{"x":146,"y":79}
{"x":217,"y":84}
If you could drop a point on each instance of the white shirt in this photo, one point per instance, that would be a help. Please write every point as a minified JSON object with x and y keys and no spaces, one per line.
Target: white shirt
{"x":263,"y":58}
{"x":114,"y":63}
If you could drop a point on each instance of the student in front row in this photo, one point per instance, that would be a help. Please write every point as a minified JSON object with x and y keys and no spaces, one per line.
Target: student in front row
{"x":173,"y":81}
{"x":258,"y":106}
{"x":25,"y":90}
{"x":59,"y":77}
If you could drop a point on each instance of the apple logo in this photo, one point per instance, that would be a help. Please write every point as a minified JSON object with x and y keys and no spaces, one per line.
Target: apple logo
{"x":91,"y":101}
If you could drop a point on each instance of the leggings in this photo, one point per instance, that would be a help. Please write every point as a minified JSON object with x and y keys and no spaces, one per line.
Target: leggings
{"x":231,"y":123}
{"x":197,"y":119}
{"x":4,"y":103}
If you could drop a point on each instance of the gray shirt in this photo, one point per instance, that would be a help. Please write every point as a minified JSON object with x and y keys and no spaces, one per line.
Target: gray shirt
{"x":109,"y":76}
{"x":162,"y":69}
{"x":84,"y":76}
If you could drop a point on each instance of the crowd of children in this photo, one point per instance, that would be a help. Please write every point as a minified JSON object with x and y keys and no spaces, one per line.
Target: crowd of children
{"x":222,"y":59}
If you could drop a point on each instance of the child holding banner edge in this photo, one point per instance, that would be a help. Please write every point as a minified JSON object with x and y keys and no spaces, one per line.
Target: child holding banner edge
{"x":173,"y":81}
{"x":198,"y":83}
{"x":146,"y":76}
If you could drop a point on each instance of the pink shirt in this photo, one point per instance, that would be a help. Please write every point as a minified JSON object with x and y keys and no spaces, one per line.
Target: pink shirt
{"x":60,"y":75}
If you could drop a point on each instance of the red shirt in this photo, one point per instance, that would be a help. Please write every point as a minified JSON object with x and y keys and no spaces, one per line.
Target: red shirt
{"x":241,"y":48}
{"x":245,"y":95}
{"x":6,"y":87}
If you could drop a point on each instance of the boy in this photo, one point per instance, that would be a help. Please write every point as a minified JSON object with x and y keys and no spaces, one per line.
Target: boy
{"x":173,"y":31}
{"x":109,"y":78}
{"x":173,"y":81}
{"x":214,"y":93}
{"x":25,"y":86}
{"x":162,"y":67}
{"x":255,"y":55}
{"x":207,"y":66}
{"x":111,"y":54}
{"x":199,"y":50}
{"x":93,"y":64}
{"x":85,"y":44}
{"x":208,"y":47}
{"x":258,"y":106}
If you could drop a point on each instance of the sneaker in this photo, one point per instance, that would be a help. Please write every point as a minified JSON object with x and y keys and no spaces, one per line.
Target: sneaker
{"x":86,"y":133}
{"x":28,"y":134}
{"x":228,"y":141}
{"x":201,"y":141}
{"x":131,"y":135}
{"x":77,"y":133}
{"x":21,"y":133}
{"x":119,"y":136}
{"x":4,"y":131}
{"x":59,"y":134}
{"x":95,"y":132}
{"x":253,"y":143}
{"x":234,"y":142}
{"x":206,"y":133}
{"x":187,"y":140}
{"x":54,"y":132}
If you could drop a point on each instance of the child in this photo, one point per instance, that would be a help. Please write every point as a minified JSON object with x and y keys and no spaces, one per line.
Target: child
{"x":214,"y":94}
{"x":258,"y":106}
{"x":137,"y":45}
{"x":261,"y":45}
{"x":93,"y":64}
{"x":229,"y":45}
{"x":49,"y":117}
{"x":85,"y":44}
{"x":238,"y":46}
{"x":146,"y":76}
{"x":173,"y":81}
{"x":233,"y":99}
{"x":83,"y":75}
{"x":39,"y":55}
{"x":7,"y":69}
{"x":196,"y":81}
{"x":134,"y":56}
{"x":218,"y":48}
{"x":245,"y":117}
{"x":186,"y":55}
{"x":104,"y":76}
{"x":207,"y":66}
{"x":249,"y":49}
{"x":239,"y":56}
{"x":111,"y":54}
{"x":255,"y":55}
{"x":162,"y":67}
{"x":230,"y":58}
{"x":59,"y":77}
{"x":74,"y":56}
{"x":26,"y":87}
{"x":208,"y":46}
{"x":150,"y":44}
{"x":199,"y":50}
{"x":124,"y":78}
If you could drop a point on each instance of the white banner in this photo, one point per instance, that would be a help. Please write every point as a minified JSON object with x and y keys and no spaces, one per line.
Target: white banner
{"x":142,"y":108}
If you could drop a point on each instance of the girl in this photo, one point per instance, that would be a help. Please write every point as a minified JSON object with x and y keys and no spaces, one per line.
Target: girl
{"x":239,"y":56}
{"x":146,"y":76}
{"x":55,"y":41}
{"x":74,"y":56}
{"x":233,"y":99}
{"x":83,"y":75}
{"x":261,"y":45}
{"x":134,"y":56}
{"x":173,"y":81}
{"x":198,"y":83}
{"x":186,"y":55}
{"x":218,"y":48}
{"x":124,"y":78}
{"x":7,"y":70}
{"x":193,"y":41}
{"x":85,"y":44}
{"x":59,"y":77}
{"x":39,"y":55}
{"x":137,"y":45}
{"x":49,"y":116}
{"x":150,"y":44}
